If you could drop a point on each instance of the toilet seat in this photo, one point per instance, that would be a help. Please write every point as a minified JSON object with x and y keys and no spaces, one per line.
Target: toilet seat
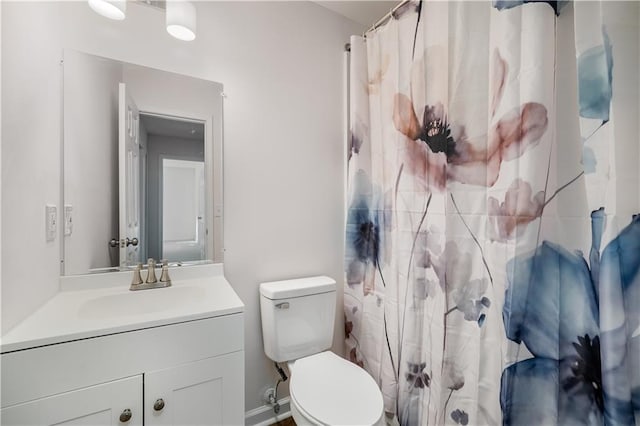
{"x":330,"y":390}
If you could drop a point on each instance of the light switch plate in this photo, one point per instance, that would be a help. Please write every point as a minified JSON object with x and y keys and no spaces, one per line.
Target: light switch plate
{"x":51,"y":217}
{"x":68,"y":219}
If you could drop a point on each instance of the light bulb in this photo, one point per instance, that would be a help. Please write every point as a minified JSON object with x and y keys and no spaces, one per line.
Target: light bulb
{"x":181,"y":19}
{"x":112,"y":9}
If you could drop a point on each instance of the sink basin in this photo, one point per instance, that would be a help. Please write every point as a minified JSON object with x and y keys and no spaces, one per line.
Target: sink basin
{"x":101,"y":304}
{"x":139,"y":302}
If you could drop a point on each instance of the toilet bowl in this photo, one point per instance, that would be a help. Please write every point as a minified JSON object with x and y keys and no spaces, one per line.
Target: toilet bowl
{"x":328,"y":390}
{"x":298,"y":318}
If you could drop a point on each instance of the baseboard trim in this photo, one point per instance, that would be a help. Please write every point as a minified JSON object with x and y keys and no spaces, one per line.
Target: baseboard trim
{"x":264,"y":415}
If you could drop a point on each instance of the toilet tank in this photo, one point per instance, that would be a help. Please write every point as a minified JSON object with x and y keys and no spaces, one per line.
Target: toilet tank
{"x":297,"y":317}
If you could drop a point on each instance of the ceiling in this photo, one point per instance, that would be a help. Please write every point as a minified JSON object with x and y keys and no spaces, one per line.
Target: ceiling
{"x":164,"y":126}
{"x":365,"y":12}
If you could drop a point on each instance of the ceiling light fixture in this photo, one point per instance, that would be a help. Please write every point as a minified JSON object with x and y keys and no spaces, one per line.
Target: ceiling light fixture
{"x":112,"y":9}
{"x":181,"y":19}
{"x":180,"y":14}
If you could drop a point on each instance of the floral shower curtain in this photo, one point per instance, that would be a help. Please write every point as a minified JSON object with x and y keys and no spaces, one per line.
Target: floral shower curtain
{"x":492,"y":239}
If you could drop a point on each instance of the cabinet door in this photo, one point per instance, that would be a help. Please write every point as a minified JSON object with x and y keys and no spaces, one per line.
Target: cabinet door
{"x":92,"y":406}
{"x":206,"y":392}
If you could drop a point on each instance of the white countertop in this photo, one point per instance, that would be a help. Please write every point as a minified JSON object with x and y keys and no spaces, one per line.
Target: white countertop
{"x":101,"y":304}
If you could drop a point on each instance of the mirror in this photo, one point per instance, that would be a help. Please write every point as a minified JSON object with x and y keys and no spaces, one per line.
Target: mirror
{"x":142,"y":166}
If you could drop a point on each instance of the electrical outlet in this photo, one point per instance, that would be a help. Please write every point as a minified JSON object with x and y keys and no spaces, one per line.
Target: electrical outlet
{"x":68,"y":219}
{"x":51,"y":218}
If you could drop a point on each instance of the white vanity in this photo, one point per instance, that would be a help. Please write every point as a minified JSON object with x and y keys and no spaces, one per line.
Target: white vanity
{"x":99,"y":354}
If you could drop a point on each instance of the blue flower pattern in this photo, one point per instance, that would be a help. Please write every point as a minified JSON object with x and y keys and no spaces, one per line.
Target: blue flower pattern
{"x":580,"y":324}
{"x":364,"y":236}
{"x":557,"y":5}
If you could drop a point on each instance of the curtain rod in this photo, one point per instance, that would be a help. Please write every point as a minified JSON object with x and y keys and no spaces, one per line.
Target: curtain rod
{"x":386,"y":17}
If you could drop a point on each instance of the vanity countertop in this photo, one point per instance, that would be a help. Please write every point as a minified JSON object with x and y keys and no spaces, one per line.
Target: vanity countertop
{"x":92,"y":306}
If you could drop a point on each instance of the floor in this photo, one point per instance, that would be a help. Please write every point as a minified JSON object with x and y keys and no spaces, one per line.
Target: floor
{"x":286,"y":422}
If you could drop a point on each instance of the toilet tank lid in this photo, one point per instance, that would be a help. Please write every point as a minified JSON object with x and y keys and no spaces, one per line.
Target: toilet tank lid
{"x":298,"y":287}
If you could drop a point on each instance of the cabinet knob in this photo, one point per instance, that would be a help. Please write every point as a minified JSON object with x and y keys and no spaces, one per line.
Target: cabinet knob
{"x":159,"y":404}
{"x":125,"y":416}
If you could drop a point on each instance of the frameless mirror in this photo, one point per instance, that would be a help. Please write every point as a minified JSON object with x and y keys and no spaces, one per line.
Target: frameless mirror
{"x":142,"y":166}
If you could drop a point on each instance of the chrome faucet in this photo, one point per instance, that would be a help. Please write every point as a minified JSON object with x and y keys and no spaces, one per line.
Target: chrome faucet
{"x":151,"y":282}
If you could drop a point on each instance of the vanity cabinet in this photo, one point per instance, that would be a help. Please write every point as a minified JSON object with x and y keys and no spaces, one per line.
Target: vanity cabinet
{"x":200,"y":393}
{"x":100,"y":405}
{"x":177,"y":374}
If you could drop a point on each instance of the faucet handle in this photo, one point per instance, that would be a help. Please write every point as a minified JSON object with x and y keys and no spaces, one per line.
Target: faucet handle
{"x":137,"y":278}
{"x":151,"y":271}
{"x":164,"y":277}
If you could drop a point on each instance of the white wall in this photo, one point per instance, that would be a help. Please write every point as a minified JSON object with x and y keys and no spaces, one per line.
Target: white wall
{"x":281,"y":65}
{"x":1,"y":175}
{"x":31,"y":132}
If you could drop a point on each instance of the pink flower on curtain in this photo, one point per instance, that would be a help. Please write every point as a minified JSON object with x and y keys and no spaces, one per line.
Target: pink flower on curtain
{"x":519,"y":208}
{"x":436,"y":149}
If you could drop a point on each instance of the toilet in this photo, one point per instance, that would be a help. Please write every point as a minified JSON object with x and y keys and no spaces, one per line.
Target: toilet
{"x":297,"y":327}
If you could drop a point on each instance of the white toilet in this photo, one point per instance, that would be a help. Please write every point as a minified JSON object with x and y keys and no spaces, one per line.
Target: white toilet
{"x":297,"y":327}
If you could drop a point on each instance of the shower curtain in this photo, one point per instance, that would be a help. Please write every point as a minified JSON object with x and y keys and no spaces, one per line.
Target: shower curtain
{"x":492,"y":259}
